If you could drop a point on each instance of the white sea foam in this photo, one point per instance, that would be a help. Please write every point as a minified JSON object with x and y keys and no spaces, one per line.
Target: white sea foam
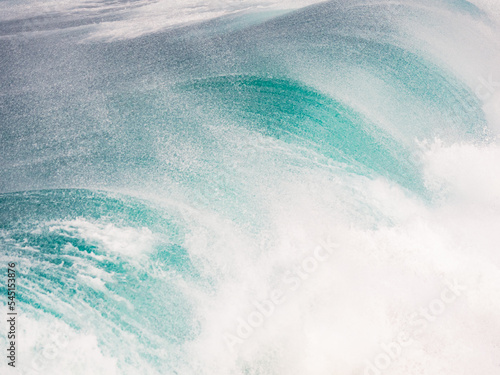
{"x":46,"y":345}
{"x":366,"y":293}
{"x":138,"y":18}
{"x":467,"y":173}
{"x":125,"y":241}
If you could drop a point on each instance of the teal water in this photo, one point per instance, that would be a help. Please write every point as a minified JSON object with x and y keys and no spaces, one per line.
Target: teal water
{"x":80,"y":252}
{"x":159,"y":178}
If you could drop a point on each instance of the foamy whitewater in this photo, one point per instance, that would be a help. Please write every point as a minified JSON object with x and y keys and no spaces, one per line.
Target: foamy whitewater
{"x":251,"y":187}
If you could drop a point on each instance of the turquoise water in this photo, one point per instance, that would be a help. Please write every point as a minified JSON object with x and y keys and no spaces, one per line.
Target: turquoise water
{"x":58,"y":235}
{"x":158,"y":178}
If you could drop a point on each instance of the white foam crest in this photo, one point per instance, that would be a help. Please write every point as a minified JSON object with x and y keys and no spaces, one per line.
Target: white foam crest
{"x":141,"y":17}
{"x":125,"y":241}
{"x":161,"y":15}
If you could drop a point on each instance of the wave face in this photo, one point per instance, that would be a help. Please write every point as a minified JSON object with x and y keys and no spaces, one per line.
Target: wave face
{"x":168,"y":169}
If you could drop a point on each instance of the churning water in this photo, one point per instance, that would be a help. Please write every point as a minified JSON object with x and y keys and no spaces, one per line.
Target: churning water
{"x":256,"y":187}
